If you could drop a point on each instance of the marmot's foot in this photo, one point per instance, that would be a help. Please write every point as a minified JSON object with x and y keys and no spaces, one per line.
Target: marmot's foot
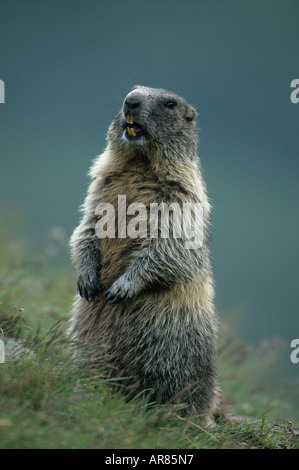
{"x":122,"y":290}
{"x":88,"y":288}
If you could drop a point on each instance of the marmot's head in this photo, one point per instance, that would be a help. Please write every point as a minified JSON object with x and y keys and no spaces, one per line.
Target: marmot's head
{"x":153,"y":118}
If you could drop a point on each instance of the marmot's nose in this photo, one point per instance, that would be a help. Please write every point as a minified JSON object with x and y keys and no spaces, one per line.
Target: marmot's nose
{"x":131,"y":103}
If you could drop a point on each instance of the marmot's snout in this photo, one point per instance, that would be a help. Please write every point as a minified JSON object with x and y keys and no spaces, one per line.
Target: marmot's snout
{"x":131,"y":103}
{"x":131,"y":110}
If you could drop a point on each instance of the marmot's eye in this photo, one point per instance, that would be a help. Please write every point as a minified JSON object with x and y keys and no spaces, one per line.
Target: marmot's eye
{"x":170,"y":104}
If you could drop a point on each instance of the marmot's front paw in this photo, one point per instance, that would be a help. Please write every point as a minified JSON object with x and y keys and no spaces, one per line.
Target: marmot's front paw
{"x":121,"y":291}
{"x":88,"y":288}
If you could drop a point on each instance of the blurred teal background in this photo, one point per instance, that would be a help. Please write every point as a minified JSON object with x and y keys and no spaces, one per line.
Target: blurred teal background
{"x":67,"y":66}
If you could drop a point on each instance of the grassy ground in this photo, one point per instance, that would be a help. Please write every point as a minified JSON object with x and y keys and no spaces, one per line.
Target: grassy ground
{"x":46,"y":401}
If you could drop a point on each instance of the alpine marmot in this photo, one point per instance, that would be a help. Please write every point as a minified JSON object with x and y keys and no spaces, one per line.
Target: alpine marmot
{"x":145,"y":299}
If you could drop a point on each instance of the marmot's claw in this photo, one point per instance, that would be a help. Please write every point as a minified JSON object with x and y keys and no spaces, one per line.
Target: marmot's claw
{"x":88,"y":291}
{"x":115,"y":296}
{"x":123,"y":290}
{"x":111,"y":297}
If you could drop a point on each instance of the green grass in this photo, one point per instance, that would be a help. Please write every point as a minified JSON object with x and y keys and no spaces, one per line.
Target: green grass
{"x":48,"y":401}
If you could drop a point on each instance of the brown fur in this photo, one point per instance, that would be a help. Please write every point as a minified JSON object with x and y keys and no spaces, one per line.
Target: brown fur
{"x":146,"y":305}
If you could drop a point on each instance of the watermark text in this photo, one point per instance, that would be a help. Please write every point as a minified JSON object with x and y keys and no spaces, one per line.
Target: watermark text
{"x":295,"y":353}
{"x":2,"y":349}
{"x":159,"y":220}
{"x":295,"y":93}
{"x":2,"y":92}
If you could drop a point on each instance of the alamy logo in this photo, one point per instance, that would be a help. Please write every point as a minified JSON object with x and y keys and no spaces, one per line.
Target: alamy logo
{"x":295,"y":353}
{"x":295,"y":93}
{"x":2,"y":92}
{"x":2,"y":349}
{"x":156,"y":221}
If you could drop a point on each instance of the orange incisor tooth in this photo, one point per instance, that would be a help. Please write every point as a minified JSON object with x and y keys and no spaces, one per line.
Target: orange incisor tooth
{"x":131,"y":131}
{"x":130,"y":119}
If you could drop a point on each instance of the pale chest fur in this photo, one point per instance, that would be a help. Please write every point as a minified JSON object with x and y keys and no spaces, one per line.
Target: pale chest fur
{"x":137,"y":183}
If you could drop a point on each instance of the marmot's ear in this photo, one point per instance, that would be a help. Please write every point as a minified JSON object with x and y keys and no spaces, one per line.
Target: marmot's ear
{"x":134,"y":87}
{"x":190,"y":113}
